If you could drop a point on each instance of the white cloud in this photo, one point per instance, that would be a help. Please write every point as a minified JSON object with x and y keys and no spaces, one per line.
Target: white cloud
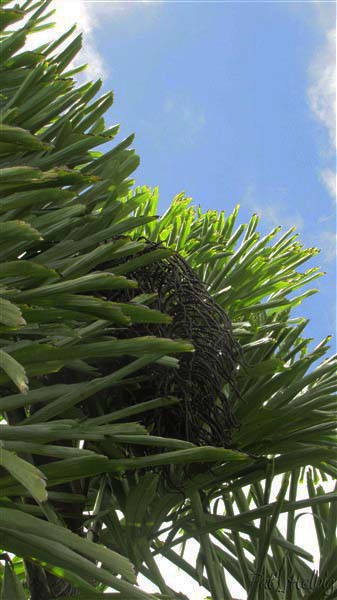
{"x":328,"y":176}
{"x":322,"y":91}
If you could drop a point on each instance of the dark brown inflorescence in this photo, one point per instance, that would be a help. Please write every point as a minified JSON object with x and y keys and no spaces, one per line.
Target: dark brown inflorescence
{"x":203,"y":416}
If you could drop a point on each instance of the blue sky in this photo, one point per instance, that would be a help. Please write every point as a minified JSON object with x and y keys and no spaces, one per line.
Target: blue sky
{"x":231,"y":103}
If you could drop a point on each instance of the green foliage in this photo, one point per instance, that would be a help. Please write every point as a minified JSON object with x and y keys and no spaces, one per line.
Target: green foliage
{"x":67,"y":210}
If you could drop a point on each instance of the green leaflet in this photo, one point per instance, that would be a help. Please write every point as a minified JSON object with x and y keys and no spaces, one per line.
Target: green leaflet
{"x":11,"y":587}
{"x":22,"y":200}
{"x":137,"y":508}
{"x":46,"y":432}
{"x":16,"y":230}
{"x":190,"y":455}
{"x":14,"y":370}
{"x":34,"y":526}
{"x":134,"y":347}
{"x":87,"y":283}
{"x":22,"y":268}
{"x":133,"y":410}
{"x":15,"y":174}
{"x":60,"y":555}
{"x":10,"y":314}
{"x":28,"y":475}
{"x":20,"y":139}
{"x":12,"y":44}
{"x":74,"y":307}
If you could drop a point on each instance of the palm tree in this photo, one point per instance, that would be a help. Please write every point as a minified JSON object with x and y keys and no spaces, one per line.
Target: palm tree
{"x":156,"y":388}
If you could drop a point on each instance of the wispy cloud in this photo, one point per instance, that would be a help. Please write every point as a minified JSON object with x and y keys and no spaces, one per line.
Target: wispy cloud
{"x":275,"y":210}
{"x":322,"y":93}
{"x":188,"y":117}
{"x":177,"y":124}
{"x":327,"y":242}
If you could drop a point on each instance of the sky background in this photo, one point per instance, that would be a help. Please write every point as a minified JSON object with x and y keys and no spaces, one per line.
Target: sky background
{"x":232,"y":103}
